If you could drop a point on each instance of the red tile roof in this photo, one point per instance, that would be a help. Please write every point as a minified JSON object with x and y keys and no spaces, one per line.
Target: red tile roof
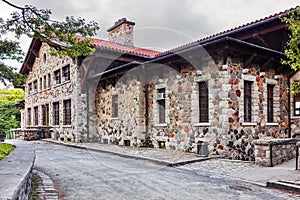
{"x":122,"y":48}
{"x":125,"y":49}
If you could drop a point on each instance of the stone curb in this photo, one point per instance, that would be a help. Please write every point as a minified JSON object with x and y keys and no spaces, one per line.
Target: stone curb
{"x":285,"y":185}
{"x":137,"y":157}
{"x":15,"y":174}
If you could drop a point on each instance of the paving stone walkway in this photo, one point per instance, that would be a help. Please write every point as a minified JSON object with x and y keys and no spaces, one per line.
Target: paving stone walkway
{"x":46,"y":189}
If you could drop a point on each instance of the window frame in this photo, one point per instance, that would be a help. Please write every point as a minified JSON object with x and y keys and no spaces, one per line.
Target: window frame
{"x":36,"y":115}
{"x":66,"y":73}
{"x":114,"y":108}
{"x":161,"y":107}
{"x":57,"y":76}
{"x":203,"y":102}
{"x":270,"y":102}
{"x":56,"y":113}
{"x":297,"y":107}
{"x":67,"y":111}
{"x":248,"y":101}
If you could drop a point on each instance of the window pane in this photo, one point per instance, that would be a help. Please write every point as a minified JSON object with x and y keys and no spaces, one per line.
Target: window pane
{"x":161,"y":106}
{"x":247,"y":101}
{"x":115,"y":105}
{"x":67,"y":112}
{"x":270,"y":102}
{"x":203,"y":102}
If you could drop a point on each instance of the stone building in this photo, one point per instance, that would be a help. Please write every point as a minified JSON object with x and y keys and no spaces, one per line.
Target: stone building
{"x":228,"y":89}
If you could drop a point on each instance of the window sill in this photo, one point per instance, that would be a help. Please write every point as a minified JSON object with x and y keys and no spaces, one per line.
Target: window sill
{"x":202,"y":124}
{"x":271,"y":124}
{"x":295,"y":117}
{"x":60,"y":84}
{"x":114,"y":118}
{"x":161,"y":125}
{"x":249,"y":124}
{"x":67,"y":126}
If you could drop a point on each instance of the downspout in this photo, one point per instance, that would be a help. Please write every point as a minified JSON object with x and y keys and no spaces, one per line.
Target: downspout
{"x":271,"y":154}
{"x":289,"y":108}
{"x":87,"y":115}
{"x":146,"y":111}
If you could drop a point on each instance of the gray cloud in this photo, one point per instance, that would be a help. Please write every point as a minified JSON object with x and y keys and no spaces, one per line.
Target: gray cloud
{"x":169,"y":22}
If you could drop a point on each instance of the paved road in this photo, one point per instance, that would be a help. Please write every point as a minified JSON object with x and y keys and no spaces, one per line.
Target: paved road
{"x":81,"y":174}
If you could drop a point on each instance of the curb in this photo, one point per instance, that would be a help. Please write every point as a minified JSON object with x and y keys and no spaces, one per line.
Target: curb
{"x":124,"y":155}
{"x":285,"y":185}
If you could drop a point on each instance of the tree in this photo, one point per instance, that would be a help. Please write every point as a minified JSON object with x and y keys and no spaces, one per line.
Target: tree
{"x":37,"y":23}
{"x":10,"y":116}
{"x":292,"y":51}
{"x":12,"y":95}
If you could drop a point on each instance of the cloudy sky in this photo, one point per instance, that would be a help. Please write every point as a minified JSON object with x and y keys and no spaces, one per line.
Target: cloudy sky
{"x":161,"y":24}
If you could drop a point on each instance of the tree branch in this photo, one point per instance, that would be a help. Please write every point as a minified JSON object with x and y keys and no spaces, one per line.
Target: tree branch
{"x":13,"y":5}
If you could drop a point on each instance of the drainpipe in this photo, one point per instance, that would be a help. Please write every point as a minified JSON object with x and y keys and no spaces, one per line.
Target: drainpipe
{"x":289,"y":108}
{"x":87,"y":115}
{"x":146,"y":110}
{"x":271,"y":154}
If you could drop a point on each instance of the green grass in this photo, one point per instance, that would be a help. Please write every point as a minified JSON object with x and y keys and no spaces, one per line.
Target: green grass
{"x":5,"y":149}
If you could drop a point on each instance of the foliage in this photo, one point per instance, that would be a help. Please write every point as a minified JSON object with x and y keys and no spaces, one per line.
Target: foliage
{"x":5,"y":149}
{"x":37,"y":23}
{"x":292,"y":51}
{"x":13,"y":95}
{"x":10,"y":116}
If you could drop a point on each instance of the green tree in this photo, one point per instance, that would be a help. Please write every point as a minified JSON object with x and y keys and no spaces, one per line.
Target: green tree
{"x":37,"y":23}
{"x":292,"y":51}
{"x":11,"y":95}
{"x":10,"y":116}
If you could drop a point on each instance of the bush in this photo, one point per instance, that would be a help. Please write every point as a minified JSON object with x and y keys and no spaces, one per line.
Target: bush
{"x":5,"y":149}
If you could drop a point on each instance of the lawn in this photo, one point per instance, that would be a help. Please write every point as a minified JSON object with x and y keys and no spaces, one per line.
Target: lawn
{"x":5,"y":149}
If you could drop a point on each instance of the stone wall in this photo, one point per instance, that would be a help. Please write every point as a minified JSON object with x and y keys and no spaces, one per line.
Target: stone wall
{"x":226,"y":130}
{"x":270,"y":152}
{"x":129,"y":123}
{"x":48,"y":92}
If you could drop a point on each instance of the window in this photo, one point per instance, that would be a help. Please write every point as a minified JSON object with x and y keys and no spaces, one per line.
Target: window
{"x":36,"y":115}
{"x":67,"y":112}
{"x":45,"y":109}
{"x":41,"y":84}
{"x":203,"y":102}
{"x":49,"y":80}
{"x":28,"y":116}
{"x":114,"y":105}
{"x":57,"y":77}
{"x":35,"y":86}
{"x":297,"y":105}
{"x":45,"y":82}
{"x":161,"y":105}
{"x":56,"y":113}
{"x":66,"y":73}
{"x":30,"y":88}
{"x":247,"y":101}
{"x":270,"y":103}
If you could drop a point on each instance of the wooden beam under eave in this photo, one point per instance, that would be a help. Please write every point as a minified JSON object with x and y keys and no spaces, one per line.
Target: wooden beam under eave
{"x":28,"y":67}
{"x":268,"y":30}
{"x":34,"y":52}
{"x":267,"y":63}
{"x":249,"y":60}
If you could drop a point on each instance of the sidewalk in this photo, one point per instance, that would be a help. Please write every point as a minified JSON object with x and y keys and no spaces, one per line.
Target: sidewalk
{"x":282,"y":176}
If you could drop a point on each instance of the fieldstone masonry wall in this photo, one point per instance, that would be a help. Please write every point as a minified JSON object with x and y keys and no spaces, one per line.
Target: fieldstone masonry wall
{"x":270,"y":152}
{"x":226,"y":131}
{"x":47,"y":92}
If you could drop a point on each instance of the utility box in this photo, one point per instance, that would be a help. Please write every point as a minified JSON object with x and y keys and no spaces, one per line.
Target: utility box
{"x":202,"y":148}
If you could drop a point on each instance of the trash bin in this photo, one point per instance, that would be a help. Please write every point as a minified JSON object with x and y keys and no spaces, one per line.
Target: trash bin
{"x":53,"y":134}
{"x":8,"y":135}
{"x":41,"y":134}
{"x":202,"y":148}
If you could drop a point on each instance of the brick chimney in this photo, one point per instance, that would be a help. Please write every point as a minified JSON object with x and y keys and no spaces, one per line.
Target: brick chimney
{"x":121,"y":32}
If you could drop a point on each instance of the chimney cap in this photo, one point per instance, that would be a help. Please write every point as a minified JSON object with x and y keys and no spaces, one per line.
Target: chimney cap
{"x":119,"y":22}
